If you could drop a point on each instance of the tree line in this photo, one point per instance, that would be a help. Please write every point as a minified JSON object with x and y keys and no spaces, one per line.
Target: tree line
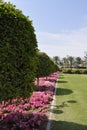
{"x":70,"y":62}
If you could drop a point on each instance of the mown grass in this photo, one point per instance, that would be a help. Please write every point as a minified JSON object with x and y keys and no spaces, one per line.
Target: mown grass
{"x":70,"y":108}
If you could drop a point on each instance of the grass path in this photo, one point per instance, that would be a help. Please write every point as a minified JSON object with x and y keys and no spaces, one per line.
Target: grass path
{"x":70,"y":108}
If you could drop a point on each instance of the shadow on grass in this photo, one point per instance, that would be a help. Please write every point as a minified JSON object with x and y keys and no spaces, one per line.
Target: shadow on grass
{"x":63,"y":91}
{"x":63,"y":104}
{"x":56,"y":111}
{"x":62,"y":81}
{"x":64,"y":125}
{"x":57,"y":108}
{"x":60,"y":77}
{"x":72,"y":101}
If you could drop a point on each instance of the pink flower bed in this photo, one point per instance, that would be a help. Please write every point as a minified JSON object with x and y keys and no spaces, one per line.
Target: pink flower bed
{"x":29,"y":113}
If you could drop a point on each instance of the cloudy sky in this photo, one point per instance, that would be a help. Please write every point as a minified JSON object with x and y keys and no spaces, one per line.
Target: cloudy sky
{"x":60,"y":25}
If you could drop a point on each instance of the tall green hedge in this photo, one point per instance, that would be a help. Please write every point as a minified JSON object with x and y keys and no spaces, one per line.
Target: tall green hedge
{"x":45,"y":65}
{"x":43,"y":68}
{"x":18,"y":47}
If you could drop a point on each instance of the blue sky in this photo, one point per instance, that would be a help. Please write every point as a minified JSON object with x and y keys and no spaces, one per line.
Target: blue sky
{"x":60,"y":25}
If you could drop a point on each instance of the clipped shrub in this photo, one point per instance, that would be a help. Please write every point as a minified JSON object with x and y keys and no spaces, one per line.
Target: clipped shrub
{"x":76,"y":71}
{"x":84,"y":71}
{"x":53,"y":66}
{"x":18,"y":47}
{"x":45,"y":66}
{"x":67,"y":71}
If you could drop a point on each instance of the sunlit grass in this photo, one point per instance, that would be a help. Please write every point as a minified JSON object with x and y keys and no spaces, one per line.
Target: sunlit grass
{"x":70,"y":108}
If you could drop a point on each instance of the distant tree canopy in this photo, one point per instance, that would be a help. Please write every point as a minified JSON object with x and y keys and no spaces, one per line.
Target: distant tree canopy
{"x":78,"y":60}
{"x":18,"y":47}
{"x":70,"y":59}
{"x":56,"y":59}
{"x":71,"y":62}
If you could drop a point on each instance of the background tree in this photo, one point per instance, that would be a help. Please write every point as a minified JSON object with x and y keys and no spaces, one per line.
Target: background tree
{"x":85,"y":60}
{"x":56,"y":59}
{"x":65,"y":62}
{"x":78,"y":61}
{"x":70,"y":59}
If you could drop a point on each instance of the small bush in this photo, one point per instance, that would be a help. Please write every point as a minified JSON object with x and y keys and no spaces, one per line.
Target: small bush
{"x":67,"y":71}
{"x":76,"y":71}
{"x":84,"y":71}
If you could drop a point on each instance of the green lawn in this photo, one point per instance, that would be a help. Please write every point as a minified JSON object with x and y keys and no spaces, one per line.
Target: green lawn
{"x":70,"y":108}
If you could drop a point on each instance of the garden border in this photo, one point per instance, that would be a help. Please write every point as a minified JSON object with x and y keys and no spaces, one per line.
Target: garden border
{"x":51,"y":108}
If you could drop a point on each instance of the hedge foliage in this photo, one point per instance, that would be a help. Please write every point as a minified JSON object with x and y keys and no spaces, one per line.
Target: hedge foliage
{"x":74,"y":71}
{"x":18,"y":47}
{"x":45,"y":65}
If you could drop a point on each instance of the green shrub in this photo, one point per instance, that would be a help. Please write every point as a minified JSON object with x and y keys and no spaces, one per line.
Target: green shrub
{"x":44,"y":64}
{"x":67,"y":71}
{"x":76,"y":71}
{"x":53,"y":66}
{"x":84,"y":71}
{"x":18,"y":48}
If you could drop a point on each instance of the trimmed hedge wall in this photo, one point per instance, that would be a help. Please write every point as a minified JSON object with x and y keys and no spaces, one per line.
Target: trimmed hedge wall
{"x":74,"y":71}
{"x":45,"y":65}
{"x":18,"y":47}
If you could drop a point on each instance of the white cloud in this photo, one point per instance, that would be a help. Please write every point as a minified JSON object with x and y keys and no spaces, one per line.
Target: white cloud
{"x":73,"y":43}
